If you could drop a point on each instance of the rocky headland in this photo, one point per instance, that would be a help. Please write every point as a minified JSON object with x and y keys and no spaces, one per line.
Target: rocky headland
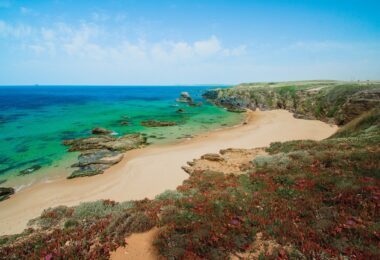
{"x":330,"y":101}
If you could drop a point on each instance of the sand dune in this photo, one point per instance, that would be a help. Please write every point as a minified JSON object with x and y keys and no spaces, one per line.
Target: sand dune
{"x":149,"y":171}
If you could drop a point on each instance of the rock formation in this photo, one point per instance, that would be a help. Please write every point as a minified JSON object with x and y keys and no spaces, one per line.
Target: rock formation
{"x":330,"y":101}
{"x":185,"y":98}
{"x":100,"y":131}
{"x":5,"y":193}
{"x":98,"y":153}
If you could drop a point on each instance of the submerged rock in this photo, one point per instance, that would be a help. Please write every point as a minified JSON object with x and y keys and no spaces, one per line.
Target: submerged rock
{"x":100,"y":131}
{"x":98,"y":153}
{"x":180,"y":110}
{"x":30,"y":170}
{"x":198,"y":104}
{"x":156,"y":123}
{"x":5,"y":193}
{"x":124,"y":123}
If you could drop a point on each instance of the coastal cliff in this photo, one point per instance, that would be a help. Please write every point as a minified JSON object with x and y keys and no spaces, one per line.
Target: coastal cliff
{"x":299,"y":199}
{"x":330,"y":101}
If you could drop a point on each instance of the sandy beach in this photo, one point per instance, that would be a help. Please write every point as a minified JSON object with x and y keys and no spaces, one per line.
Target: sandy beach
{"x":151,"y":170}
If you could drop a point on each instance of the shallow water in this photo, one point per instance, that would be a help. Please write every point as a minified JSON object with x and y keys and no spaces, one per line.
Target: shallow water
{"x":35,"y":120}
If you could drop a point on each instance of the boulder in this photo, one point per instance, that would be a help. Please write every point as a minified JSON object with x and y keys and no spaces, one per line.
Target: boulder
{"x":100,"y":131}
{"x":156,"y":123}
{"x":5,"y":193}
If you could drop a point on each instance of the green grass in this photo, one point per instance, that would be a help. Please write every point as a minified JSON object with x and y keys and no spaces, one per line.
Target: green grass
{"x":323,"y":100}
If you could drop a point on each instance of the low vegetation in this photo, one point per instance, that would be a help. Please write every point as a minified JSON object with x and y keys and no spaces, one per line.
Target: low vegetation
{"x":302,"y":200}
{"x":331,"y":101}
{"x":312,"y":200}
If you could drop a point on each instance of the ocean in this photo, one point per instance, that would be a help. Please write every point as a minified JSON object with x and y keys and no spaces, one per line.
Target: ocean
{"x":34,"y":120}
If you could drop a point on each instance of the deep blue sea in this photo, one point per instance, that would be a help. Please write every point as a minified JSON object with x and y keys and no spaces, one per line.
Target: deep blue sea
{"x":34,"y":120}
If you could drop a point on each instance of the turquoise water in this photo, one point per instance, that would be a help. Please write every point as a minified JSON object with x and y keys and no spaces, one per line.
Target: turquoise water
{"x":35,"y":120}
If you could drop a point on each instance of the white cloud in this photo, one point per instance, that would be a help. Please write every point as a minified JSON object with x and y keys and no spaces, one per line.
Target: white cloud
{"x":91,"y":41}
{"x":91,"y":50}
{"x":207,"y":47}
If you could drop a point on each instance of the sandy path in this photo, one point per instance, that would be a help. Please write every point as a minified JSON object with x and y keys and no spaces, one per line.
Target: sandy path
{"x":149,"y":171}
{"x":139,"y":247}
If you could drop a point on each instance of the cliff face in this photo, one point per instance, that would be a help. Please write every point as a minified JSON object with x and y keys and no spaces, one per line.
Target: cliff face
{"x":330,"y":101}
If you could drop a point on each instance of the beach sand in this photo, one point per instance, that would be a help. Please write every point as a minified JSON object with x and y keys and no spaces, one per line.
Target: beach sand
{"x":139,"y":246}
{"x":151,"y":170}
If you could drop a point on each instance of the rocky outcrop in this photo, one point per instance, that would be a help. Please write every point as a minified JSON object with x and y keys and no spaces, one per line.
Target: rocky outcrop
{"x":329,"y":101}
{"x":100,"y":131}
{"x":5,"y":193}
{"x":185,"y":98}
{"x":98,"y":153}
{"x":156,"y":123}
{"x":359,"y":103}
{"x":227,"y":161}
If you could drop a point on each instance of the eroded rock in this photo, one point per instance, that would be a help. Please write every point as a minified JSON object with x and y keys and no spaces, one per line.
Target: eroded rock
{"x":228,"y":161}
{"x":5,"y":193}
{"x":185,"y":98}
{"x":98,"y":153}
{"x":100,"y":131}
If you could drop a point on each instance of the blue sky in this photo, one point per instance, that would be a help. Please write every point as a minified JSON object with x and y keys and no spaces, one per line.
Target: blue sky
{"x":187,"y":42}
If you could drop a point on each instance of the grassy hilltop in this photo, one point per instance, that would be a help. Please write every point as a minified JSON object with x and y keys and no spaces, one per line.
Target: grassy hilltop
{"x":299,"y":200}
{"x":331,"y":101}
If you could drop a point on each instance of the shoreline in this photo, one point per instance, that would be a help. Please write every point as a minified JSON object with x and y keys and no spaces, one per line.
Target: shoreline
{"x":148,"y":171}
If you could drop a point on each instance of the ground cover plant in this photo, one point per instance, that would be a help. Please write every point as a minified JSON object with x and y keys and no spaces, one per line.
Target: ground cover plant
{"x":303,"y":200}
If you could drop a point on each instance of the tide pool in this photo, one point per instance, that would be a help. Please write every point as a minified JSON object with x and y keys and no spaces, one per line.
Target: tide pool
{"x":35,"y":120}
